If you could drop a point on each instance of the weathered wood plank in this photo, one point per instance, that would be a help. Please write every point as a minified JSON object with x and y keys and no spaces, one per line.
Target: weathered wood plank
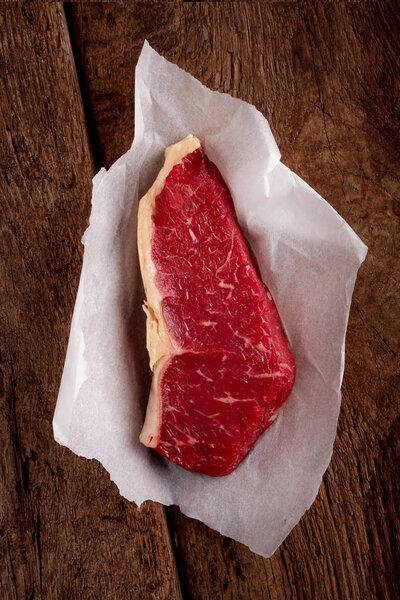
{"x":64,"y":530}
{"x":326,"y":77}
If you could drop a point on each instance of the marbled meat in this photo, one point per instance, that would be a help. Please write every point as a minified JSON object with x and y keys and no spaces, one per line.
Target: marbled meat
{"x":221,"y":366}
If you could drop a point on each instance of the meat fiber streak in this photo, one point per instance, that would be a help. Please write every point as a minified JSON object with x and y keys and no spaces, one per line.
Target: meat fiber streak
{"x":222,"y":367}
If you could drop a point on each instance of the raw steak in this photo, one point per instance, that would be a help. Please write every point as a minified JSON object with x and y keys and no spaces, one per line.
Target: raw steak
{"x":222,"y":367}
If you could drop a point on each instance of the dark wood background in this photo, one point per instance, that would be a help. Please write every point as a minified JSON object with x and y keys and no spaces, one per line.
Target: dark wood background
{"x":326,"y":76}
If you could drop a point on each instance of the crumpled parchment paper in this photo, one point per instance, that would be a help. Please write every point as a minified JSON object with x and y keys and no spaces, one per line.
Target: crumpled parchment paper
{"x":308,"y":257}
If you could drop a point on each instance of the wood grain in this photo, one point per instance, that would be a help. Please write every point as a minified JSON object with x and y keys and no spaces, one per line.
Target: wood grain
{"x":65,"y":532}
{"x":326,"y":77}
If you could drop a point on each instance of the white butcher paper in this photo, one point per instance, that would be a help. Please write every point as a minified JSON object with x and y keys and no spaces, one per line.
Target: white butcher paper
{"x":308,"y":257}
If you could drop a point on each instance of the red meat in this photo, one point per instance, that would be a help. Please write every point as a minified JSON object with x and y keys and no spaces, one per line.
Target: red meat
{"x":222,"y":367}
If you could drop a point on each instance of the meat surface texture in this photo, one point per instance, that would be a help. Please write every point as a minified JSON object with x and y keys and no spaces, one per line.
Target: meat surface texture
{"x":221,"y":366}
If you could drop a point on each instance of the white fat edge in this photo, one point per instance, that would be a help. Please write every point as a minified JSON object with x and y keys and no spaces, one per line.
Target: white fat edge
{"x":159,"y":344}
{"x":150,"y":434}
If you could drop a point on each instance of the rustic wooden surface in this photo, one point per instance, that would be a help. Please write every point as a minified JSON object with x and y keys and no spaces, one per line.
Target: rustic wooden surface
{"x":327,"y":78}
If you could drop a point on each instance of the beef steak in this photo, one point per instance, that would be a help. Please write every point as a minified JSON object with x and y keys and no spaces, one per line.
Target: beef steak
{"x":222,"y":367}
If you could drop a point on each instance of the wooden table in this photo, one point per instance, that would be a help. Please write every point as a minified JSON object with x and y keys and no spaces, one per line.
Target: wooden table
{"x":326,"y":76}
